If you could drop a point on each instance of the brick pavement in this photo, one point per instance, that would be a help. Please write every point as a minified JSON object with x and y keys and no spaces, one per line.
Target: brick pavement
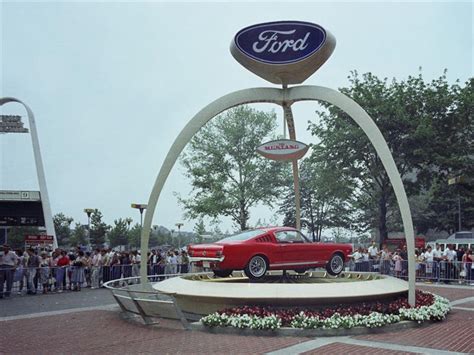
{"x":341,"y":348}
{"x":454,"y":334}
{"x":106,"y":332}
{"x":452,"y":294}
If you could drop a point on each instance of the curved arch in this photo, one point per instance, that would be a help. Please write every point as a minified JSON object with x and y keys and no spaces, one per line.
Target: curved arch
{"x":48,"y":216}
{"x":279,"y":97}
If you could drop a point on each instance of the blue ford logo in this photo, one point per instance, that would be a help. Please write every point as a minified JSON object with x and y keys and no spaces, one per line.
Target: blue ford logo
{"x":282,"y":42}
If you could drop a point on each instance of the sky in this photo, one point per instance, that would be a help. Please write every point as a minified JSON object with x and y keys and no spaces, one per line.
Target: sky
{"x":113,"y":83}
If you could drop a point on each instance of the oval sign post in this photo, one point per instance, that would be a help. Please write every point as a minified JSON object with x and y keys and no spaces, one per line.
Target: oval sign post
{"x":283,"y":149}
{"x":283,"y":52}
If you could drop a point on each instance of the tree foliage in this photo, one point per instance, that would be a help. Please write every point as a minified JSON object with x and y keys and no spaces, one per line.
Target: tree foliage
{"x":325,"y":198}
{"x":62,"y":227}
{"x":79,"y":235}
{"x":98,"y":229}
{"x":429,"y":130}
{"x":118,"y":234}
{"x":227,"y":175}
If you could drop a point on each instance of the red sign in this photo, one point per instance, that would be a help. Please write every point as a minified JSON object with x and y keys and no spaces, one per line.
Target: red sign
{"x":46,"y":239}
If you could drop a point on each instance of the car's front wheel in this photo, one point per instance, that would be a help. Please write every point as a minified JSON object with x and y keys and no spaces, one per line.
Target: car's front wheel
{"x":335,"y":265}
{"x":256,"y":268}
{"x":222,"y":273}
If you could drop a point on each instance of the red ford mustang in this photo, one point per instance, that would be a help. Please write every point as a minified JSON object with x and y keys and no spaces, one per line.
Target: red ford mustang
{"x":277,"y":248}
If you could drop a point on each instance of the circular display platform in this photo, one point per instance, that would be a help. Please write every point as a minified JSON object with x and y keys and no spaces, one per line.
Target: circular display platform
{"x":203,"y":294}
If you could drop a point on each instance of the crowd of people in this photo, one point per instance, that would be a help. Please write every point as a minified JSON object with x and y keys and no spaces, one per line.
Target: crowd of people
{"x":34,"y":271}
{"x":446,"y":264}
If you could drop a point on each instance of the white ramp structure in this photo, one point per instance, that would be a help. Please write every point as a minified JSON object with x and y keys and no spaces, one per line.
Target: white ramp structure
{"x":48,"y":217}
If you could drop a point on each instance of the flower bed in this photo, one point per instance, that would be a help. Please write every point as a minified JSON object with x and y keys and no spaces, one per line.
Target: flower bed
{"x":429,"y":307}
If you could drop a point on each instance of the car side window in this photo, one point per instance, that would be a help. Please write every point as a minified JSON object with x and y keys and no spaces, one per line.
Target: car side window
{"x":289,"y":237}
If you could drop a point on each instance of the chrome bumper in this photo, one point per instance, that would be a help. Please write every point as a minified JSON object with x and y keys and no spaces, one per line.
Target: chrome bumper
{"x":194,"y":259}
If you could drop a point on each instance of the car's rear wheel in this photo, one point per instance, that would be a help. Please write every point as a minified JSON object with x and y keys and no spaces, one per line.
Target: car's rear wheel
{"x":256,"y":268}
{"x":222,"y":273}
{"x":335,"y":265}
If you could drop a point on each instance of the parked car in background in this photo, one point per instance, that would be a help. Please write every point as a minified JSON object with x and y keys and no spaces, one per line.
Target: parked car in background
{"x":277,"y":248}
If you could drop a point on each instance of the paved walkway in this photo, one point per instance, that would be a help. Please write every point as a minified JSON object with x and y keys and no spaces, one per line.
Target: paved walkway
{"x":101,"y":329}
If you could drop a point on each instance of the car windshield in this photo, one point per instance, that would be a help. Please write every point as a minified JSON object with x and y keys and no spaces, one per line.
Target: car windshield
{"x":242,"y":236}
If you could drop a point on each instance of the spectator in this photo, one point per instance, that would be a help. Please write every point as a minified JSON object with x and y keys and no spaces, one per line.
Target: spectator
{"x":386,"y":259}
{"x":429,"y":260}
{"x":173,"y":263}
{"x":437,"y":258}
{"x":88,"y":268}
{"x":469,"y":267}
{"x":115,"y":267}
{"x":184,"y":262}
{"x":61,"y":271}
{"x":373,"y":251}
{"x":358,"y":259}
{"x":77,"y":275}
{"x":44,"y":271}
{"x":20,"y":272}
{"x":404,"y":262}
{"x":8,"y":263}
{"x":126,"y":265}
{"x":136,"y":260}
{"x":33,"y":265}
{"x":397,"y":259}
{"x":96,"y":263}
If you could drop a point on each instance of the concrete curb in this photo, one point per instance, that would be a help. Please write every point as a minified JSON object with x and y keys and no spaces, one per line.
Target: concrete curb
{"x":295,"y":332}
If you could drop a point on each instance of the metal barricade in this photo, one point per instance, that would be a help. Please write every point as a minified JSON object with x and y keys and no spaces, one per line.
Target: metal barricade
{"x":33,"y":280}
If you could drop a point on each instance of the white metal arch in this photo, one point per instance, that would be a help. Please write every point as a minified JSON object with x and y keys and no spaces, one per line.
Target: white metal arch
{"x":48,"y":216}
{"x":280,"y":96}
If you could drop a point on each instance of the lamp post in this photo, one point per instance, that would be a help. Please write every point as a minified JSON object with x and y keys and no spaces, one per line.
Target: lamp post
{"x":141,"y":207}
{"x":89,"y":211}
{"x":457,"y":180}
{"x":179,"y":225}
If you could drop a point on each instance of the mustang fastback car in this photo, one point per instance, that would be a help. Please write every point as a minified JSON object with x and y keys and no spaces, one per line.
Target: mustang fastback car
{"x":276,"y":248}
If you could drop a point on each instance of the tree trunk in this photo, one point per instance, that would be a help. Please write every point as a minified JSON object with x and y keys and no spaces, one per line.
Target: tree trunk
{"x":383,"y":232}
{"x":243,"y":216}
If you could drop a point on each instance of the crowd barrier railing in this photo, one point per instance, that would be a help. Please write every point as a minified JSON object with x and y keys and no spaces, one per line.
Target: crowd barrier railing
{"x":435,"y":271}
{"x":44,"y":279}
{"x":32,"y":280}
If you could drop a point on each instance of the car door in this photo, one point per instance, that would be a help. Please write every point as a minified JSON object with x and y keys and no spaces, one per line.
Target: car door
{"x":292,"y":248}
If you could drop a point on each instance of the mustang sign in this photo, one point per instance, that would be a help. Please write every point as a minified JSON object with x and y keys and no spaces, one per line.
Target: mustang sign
{"x":283,"y":149}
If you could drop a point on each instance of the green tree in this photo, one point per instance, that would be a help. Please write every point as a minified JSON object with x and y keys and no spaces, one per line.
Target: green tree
{"x":200,"y":230}
{"x":98,"y":229}
{"x":326,"y":196}
{"x":62,"y":226}
{"x":134,"y":236}
{"x":16,"y":235}
{"x":227,"y":175}
{"x":79,"y":235}
{"x":428,"y":127}
{"x":118,"y":234}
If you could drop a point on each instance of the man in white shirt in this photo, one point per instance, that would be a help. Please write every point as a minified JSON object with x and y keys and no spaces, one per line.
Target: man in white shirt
{"x":8,"y":263}
{"x":96,"y":268}
{"x":449,"y":256}
{"x":373,"y":250}
{"x":358,"y":258}
{"x":429,"y":262}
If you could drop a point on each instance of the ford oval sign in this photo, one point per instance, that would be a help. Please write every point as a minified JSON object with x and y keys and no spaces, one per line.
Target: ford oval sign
{"x":280,"y":42}
{"x":284,"y":52}
{"x":283,"y":149}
